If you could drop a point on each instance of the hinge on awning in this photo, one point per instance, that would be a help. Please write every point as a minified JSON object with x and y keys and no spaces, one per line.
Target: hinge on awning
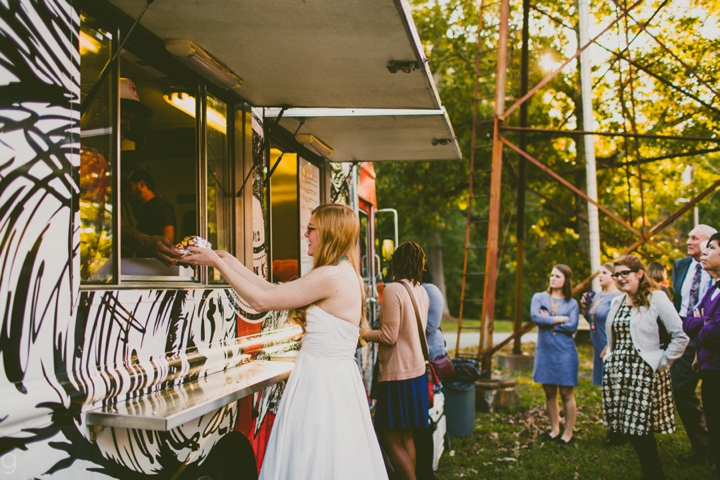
{"x":405,"y":66}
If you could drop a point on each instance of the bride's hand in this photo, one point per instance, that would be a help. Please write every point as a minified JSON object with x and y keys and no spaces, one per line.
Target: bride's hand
{"x":201,"y":256}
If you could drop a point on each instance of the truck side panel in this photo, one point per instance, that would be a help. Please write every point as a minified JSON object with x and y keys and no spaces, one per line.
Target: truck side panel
{"x":62,"y":350}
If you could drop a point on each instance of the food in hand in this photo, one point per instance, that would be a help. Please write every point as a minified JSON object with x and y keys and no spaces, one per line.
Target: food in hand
{"x":195,"y":241}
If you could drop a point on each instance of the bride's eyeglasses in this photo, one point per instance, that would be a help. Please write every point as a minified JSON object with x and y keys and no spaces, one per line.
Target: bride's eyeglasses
{"x":623,"y":274}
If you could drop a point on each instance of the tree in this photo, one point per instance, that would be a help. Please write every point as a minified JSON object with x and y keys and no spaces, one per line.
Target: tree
{"x":649,"y":90}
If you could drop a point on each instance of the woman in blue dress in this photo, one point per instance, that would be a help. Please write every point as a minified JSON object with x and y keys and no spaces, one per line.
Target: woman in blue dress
{"x":555,"y":313}
{"x":596,"y":306}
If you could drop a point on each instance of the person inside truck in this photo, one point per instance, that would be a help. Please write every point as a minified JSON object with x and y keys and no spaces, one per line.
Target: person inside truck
{"x":323,"y":427}
{"x":154,"y":214}
{"x":154,"y":218}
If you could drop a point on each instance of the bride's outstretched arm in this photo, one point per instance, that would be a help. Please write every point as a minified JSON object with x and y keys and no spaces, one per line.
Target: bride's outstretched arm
{"x":311,"y":288}
{"x":243,"y":271}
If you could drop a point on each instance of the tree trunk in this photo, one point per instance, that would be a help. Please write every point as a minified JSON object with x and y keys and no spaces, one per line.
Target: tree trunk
{"x":435,"y":265}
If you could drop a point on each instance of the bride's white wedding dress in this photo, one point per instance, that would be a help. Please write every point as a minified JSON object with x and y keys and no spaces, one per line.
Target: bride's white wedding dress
{"x":323,"y":429}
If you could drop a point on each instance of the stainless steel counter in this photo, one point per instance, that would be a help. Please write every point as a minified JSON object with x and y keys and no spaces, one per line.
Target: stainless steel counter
{"x":171,"y":407}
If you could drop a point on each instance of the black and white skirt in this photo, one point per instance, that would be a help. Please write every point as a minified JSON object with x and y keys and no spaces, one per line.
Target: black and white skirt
{"x":636,"y":400}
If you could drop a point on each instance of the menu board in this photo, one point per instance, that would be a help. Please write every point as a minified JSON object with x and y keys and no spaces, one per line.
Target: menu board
{"x":309,"y":200}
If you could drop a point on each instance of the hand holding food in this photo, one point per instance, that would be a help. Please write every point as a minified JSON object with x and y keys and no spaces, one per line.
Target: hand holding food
{"x":195,"y":241}
{"x":196,"y":251}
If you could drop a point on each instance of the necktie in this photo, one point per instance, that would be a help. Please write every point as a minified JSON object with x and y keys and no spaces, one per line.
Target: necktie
{"x":695,"y":288}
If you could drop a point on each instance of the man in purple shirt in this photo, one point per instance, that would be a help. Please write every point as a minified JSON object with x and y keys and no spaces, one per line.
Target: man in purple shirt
{"x":703,"y":325}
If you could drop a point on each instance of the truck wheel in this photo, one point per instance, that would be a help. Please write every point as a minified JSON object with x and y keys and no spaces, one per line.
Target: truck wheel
{"x":232,"y":458}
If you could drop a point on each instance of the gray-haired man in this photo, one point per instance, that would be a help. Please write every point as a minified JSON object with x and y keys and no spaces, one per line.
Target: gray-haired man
{"x":690,"y":282}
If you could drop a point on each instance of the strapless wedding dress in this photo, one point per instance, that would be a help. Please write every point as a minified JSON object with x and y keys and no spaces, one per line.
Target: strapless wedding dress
{"x":323,"y":429}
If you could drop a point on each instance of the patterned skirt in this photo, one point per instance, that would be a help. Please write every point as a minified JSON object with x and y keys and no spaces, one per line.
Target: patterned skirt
{"x":636,"y":400}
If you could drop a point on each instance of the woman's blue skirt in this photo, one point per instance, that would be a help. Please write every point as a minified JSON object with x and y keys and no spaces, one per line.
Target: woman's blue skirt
{"x":402,"y":403}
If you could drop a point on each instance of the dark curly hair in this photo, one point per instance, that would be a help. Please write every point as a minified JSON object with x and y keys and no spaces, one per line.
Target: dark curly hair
{"x":408,"y":262}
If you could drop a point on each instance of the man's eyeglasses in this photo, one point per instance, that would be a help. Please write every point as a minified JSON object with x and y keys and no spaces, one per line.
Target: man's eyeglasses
{"x":623,"y":274}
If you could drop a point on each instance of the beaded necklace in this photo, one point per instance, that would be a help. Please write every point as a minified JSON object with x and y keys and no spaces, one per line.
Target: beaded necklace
{"x":554,"y":306}
{"x":596,"y":303}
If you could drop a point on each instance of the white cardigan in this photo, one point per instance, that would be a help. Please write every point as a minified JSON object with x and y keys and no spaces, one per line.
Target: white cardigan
{"x":645,"y":333}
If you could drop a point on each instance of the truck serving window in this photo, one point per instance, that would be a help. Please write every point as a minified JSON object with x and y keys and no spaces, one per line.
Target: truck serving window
{"x":158,"y":167}
{"x":220,"y":194}
{"x":97,"y":158}
{"x":284,"y":216}
{"x":148,"y":173}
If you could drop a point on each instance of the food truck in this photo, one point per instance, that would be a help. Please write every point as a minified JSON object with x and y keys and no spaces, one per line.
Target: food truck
{"x":129,"y":124}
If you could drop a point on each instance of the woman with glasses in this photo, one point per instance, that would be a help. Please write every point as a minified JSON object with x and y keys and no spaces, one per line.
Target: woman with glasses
{"x":556,"y":359}
{"x":323,"y":428}
{"x":637,"y":393}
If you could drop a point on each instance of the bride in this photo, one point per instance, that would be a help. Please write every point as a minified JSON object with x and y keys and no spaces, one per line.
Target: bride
{"x":323,"y":428}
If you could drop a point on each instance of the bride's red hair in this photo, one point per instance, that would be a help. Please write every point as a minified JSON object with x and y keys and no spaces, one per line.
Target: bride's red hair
{"x":338,"y":230}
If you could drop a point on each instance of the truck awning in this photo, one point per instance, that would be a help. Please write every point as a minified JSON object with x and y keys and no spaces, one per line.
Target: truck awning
{"x":375,"y":135}
{"x":311,"y":53}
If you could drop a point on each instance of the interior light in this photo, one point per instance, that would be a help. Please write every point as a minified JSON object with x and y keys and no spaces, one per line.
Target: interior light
{"x":88,"y":44}
{"x":312,"y":143}
{"x":187,"y":52}
{"x":387,"y":249}
{"x":216,"y":120}
{"x":186,"y":103}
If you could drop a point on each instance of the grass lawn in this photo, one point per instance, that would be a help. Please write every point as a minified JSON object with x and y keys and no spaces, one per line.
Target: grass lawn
{"x":510,"y":445}
{"x":451,"y":325}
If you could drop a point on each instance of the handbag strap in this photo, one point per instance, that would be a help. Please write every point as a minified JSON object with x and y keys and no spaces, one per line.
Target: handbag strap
{"x":421,"y":330}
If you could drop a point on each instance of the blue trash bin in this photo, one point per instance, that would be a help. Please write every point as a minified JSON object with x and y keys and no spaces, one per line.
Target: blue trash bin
{"x":459,"y":408}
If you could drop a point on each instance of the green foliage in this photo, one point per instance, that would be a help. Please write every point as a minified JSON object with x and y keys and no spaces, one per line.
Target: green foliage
{"x":431,"y":197}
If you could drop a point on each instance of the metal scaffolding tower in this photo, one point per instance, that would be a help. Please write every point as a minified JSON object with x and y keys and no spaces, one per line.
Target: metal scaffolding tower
{"x":485,"y":182}
{"x":483,"y":209}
